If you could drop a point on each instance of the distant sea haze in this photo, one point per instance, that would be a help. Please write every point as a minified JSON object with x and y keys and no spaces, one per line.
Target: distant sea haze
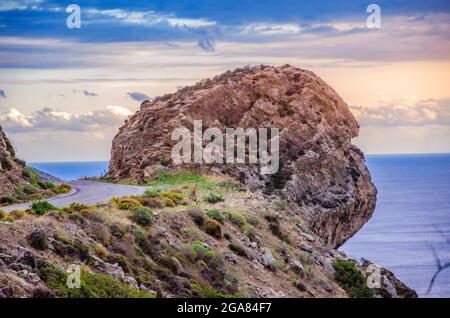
{"x":412,"y":215}
{"x":70,"y":171}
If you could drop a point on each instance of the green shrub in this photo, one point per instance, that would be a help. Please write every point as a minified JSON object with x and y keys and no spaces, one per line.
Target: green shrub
{"x":152,"y":193}
{"x":3,"y":214}
{"x":42,"y":207}
{"x":128,"y":203}
{"x":93,"y":285}
{"x":62,"y":188}
{"x":46,"y":185}
{"x":237,"y":218}
{"x":207,"y":292}
{"x":216,"y":215}
{"x":173,"y":196}
{"x":7,"y":199}
{"x":351,"y":279}
{"x":213,"y":228}
{"x":142,"y":216}
{"x":184,"y":177}
{"x":31,"y":175}
{"x":214,"y":198}
{"x":202,"y":251}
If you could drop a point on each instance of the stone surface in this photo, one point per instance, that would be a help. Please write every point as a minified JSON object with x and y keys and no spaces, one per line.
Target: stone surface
{"x":320,"y":170}
{"x":10,"y":167}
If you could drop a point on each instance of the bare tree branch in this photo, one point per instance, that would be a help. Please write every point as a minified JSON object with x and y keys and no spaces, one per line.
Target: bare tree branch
{"x":440,"y":268}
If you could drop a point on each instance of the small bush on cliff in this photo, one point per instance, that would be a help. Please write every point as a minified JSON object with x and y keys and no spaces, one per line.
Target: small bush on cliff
{"x":351,"y":279}
{"x":142,"y":216}
{"x":128,"y":203}
{"x":31,"y":175}
{"x":202,"y":251}
{"x":214,"y":198}
{"x":42,"y":207}
{"x":3,"y":214}
{"x":177,"y":197}
{"x":237,"y":218}
{"x":152,"y":193}
{"x":216,"y":215}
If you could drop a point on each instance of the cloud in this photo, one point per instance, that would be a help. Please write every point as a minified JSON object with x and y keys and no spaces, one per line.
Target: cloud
{"x":11,"y":5}
{"x":56,"y":120}
{"x":406,"y":112}
{"x":271,"y":28}
{"x":84,"y":92}
{"x":150,"y":18}
{"x":2,"y":93}
{"x":138,"y":96}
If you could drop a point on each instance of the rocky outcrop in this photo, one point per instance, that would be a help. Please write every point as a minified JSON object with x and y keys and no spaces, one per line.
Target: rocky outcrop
{"x":10,"y":166}
{"x":390,"y":286}
{"x":320,"y":170}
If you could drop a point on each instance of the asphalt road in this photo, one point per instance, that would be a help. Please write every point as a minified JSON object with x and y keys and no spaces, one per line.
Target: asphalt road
{"x":89,"y":192}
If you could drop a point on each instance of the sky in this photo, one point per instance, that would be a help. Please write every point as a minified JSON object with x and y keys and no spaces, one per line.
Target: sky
{"x":64,"y":92}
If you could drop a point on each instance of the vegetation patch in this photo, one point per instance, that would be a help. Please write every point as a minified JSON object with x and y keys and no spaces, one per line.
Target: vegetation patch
{"x":142,"y":215}
{"x":202,"y":251}
{"x":351,"y":279}
{"x":214,"y":198}
{"x":42,"y":207}
{"x":128,"y":203}
{"x":62,"y":188}
{"x":236,"y":218}
{"x":92,"y":285}
{"x":216,"y":215}
{"x":207,"y":292}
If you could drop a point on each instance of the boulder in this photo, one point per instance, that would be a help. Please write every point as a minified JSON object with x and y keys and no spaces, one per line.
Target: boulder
{"x":320,"y":170}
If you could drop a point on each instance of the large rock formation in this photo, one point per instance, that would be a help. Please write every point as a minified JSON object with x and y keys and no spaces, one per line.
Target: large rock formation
{"x":320,"y":170}
{"x":10,"y":166}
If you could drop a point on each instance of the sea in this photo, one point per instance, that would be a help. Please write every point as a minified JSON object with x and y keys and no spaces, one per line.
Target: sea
{"x":411,"y":219}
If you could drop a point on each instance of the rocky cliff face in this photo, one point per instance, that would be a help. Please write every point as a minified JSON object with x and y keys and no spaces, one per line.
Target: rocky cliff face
{"x":10,"y":166}
{"x":320,"y":172}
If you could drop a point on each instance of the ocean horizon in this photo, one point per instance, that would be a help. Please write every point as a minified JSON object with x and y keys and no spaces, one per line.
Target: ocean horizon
{"x":412,"y":215}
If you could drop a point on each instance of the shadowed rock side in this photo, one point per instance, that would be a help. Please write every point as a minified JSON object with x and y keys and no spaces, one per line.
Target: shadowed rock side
{"x":320,"y":170}
{"x":10,"y":166}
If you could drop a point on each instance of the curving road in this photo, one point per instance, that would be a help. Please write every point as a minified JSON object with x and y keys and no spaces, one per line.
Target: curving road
{"x":89,"y":192}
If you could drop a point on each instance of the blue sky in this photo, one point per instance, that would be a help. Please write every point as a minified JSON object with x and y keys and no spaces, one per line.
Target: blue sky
{"x":80,"y":84}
